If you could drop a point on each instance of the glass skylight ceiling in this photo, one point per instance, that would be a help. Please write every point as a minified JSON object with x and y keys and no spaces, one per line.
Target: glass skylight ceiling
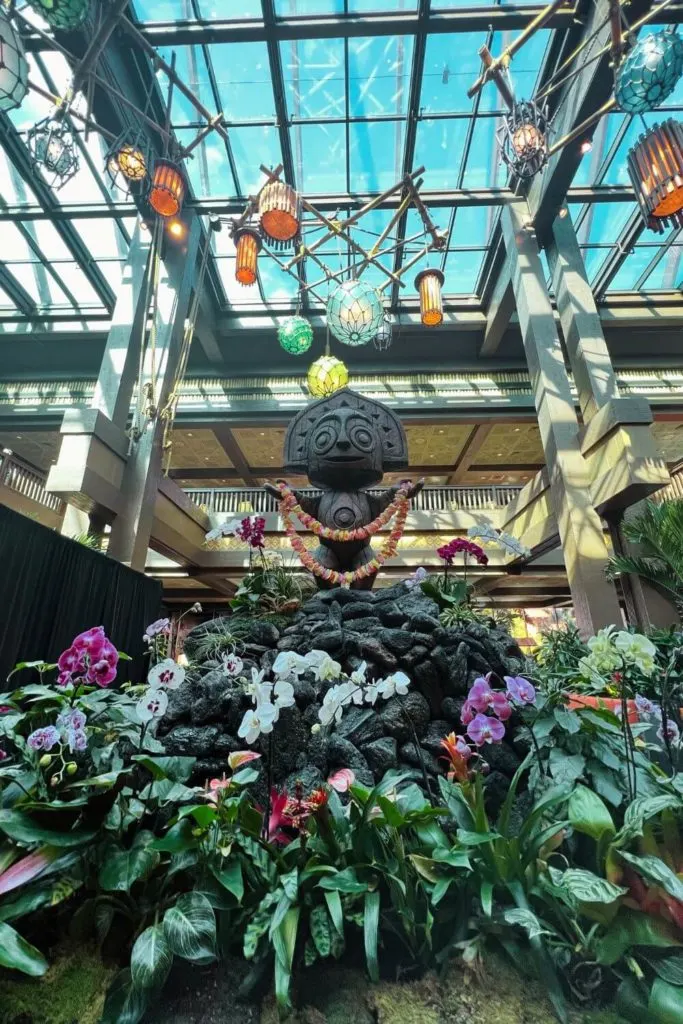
{"x":353,"y":112}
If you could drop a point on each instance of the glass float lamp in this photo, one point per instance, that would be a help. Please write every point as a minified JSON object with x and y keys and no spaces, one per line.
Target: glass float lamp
{"x":383,"y":338}
{"x":655,"y":167}
{"x":523,"y":138}
{"x":168,"y":188}
{"x":247,"y":247}
{"x":295,"y":334}
{"x":428,"y":283}
{"x":127,"y":164}
{"x":326,"y":375}
{"x":650,"y":72}
{"x":278,"y":206}
{"x":53,"y":150}
{"x":13,"y":65}
{"x":354,"y":312}
{"x":64,"y":14}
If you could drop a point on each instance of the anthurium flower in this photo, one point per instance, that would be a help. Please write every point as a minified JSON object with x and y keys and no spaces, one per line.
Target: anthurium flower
{"x":342,"y":780}
{"x":166,"y":673}
{"x":240,"y":757}
{"x":484,"y":729}
{"x":152,"y":704}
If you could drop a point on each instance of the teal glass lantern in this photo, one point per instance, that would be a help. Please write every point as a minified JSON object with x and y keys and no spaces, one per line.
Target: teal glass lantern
{"x":295,"y":334}
{"x":63,"y":14}
{"x":650,"y":72}
{"x":13,"y":66}
{"x":354,"y":313}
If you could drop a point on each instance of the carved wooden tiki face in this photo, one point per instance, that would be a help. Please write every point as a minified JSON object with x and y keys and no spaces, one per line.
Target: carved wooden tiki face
{"x":345,"y":452}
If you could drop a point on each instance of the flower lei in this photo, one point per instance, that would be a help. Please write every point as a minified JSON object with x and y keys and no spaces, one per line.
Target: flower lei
{"x":398,"y":507}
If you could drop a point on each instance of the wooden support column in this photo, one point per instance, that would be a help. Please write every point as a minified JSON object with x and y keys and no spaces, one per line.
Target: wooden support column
{"x":585,"y":553}
{"x":589,"y":357}
{"x":132,"y":528}
{"x":470,"y":451}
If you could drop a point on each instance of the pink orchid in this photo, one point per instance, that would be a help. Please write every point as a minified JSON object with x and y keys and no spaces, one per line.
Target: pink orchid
{"x":71,"y":660}
{"x":468,"y":712}
{"x":483,"y":729}
{"x":101,"y":672}
{"x":500,"y":706}
{"x":91,"y":640}
{"x":240,"y":757}
{"x":342,"y":780}
{"x":480,"y":694}
{"x":520,"y":689}
{"x":3,"y":754}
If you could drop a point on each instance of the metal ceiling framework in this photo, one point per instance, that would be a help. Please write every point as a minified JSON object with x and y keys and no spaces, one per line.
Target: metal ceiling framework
{"x":200,"y":35}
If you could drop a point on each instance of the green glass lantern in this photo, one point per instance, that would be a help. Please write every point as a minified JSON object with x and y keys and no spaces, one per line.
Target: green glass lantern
{"x":13,"y":66}
{"x":63,"y":14}
{"x":650,"y":72}
{"x":295,"y":334}
{"x":326,"y":375}
{"x":354,"y":312}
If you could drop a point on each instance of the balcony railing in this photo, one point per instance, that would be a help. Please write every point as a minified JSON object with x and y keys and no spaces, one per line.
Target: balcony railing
{"x":31,"y":484}
{"x":238,"y":500}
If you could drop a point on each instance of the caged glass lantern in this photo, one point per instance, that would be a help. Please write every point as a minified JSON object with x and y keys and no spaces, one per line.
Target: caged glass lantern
{"x":295,"y":335}
{"x":383,"y":338}
{"x":13,"y":65}
{"x":168,"y":188}
{"x":127,"y":165}
{"x":650,"y":72}
{"x":354,"y":313}
{"x":523,"y":139}
{"x":63,"y":14}
{"x":655,"y":167}
{"x":325,"y":376}
{"x":53,"y":150}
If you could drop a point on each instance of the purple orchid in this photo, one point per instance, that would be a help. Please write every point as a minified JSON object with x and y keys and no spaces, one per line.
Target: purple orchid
{"x":520,"y":690}
{"x":500,"y":706}
{"x":672,"y":733}
{"x":480,"y":694}
{"x":43,"y":739}
{"x":483,"y":729}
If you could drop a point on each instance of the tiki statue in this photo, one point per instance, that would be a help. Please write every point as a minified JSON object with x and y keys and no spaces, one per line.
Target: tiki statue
{"x":344,"y":444}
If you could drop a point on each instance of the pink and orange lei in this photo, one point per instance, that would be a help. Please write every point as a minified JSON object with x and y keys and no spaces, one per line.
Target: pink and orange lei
{"x":398,"y":507}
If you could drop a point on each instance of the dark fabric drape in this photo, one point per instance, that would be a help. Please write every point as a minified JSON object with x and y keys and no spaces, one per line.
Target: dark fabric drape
{"x":52,"y":588}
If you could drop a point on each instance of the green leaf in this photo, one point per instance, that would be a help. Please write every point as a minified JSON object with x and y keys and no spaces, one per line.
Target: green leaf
{"x":565,"y":768}
{"x":122,"y":868}
{"x":657,"y":871}
{"x":567,"y":720}
{"x":476,"y":838}
{"x":150,"y":958}
{"x":178,"y":769}
{"x":321,"y":931}
{"x":125,"y":1004}
{"x":527,"y":920}
{"x":641,"y":810}
{"x":344,"y":881}
{"x":178,"y":838}
{"x":424,"y":867}
{"x":631,"y":928}
{"x":588,"y":814}
{"x":284,"y":941}
{"x":334,"y":906}
{"x":605,"y":720}
{"x":23,"y":829}
{"x":18,"y":954}
{"x":454,"y":858}
{"x":370,"y":933}
{"x":586,"y":887}
{"x":190,"y":928}
{"x":665,"y":1003}
{"x":668,"y":967}
{"x":631,"y":1001}
{"x":486,"y":897}
{"x":290,"y":883}
{"x":203,"y":814}
{"x":229,"y":874}
{"x":605,"y":782}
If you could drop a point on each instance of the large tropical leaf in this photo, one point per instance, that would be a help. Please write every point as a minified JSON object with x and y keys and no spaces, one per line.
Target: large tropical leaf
{"x":190,"y":928}
{"x":18,"y":954}
{"x":658,"y":531}
{"x":150,"y":958}
{"x":28,"y":868}
{"x":125,"y":1004}
{"x":122,"y":868}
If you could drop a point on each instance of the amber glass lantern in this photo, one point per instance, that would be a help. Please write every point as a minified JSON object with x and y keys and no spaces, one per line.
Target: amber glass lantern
{"x":655,"y":166}
{"x":428,"y":283}
{"x":168,"y":188}
{"x":247,"y":246}
{"x":127,"y":164}
{"x":279,"y":209}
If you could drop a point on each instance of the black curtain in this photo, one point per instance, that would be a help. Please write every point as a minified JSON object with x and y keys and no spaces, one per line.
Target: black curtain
{"x":52,"y":588}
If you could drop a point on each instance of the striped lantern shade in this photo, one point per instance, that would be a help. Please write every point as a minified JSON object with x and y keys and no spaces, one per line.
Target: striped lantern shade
{"x":247,"y":247}
{"x":650,"y":73}
{"x":655,"y":167}
{"x":168,"y":188}
{"x":278,"y":207}
{"x":428,"y":283}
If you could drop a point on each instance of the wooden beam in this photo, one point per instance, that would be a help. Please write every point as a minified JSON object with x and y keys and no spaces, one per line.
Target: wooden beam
{"x":500,"y":309}
{"x":226,"y":439}
{"x":472,"y":445}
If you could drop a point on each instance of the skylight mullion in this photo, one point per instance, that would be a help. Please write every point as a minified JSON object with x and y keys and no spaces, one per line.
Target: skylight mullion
{"x":656,"y":259}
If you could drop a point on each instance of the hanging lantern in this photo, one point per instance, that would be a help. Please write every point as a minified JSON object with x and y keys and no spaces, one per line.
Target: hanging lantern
{"x":655,"y":167}
{"x":278,"y":205}
{"x":248,"y":246}
{"x":127,"y":164}
{"x":168,"y":188}
{"x":354,"y":313}
{"x":295,"y":334}
{"x":382,"y":340}
{"x":523,"y":139}
{"x":13,"y":66}
{"x":326,"y":375}
{"x":428,"y":282}
{"x":64,"y":14}
{"x":53,"y":150}
{"x":650,"y":72}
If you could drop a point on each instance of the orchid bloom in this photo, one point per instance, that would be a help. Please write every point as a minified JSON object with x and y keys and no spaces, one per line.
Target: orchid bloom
{"x":520,"y":690}
{"x":324,"y":667}
{"x":152,"y":704}
{"x":232,"y":664}
{"x":289,"y":663}
{"x":284,"y":694}
{"x":43,"y":739}
{"x":155,"y":628}
{"x":257,"y":722}
{"x":166,"y":673}
{"x":480,"y":694}
{"x":483,"y":729}
{"x":397,"y":683}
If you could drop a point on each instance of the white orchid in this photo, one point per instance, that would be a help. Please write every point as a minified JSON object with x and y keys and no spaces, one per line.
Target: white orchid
{"x":152,"y":704}
{"x":289,"y":663}
{"x":358,"y":674}
{"x":331,"y":709}
{"x":166,"y":673}
{"x":397,"y":683}
{"x":512,"y":545}
{"x":324,"y":667}
{"x":488,"y":534}
{"x":484,"y":532}
{"x":233,"y":664}
{"x":284,"y":694}
{"x":257,"y":722}
{"x":227,"y":529}
{"x":637,"y":650}
{"x":371,"y":693}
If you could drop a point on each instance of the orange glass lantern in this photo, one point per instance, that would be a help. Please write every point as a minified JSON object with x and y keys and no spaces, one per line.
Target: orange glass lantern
{"x":168,"y":188}
{"x":428,"y":283}
{"x":279,"y":209}
{"x":655,"y":166}
{"x":248,"y":246}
